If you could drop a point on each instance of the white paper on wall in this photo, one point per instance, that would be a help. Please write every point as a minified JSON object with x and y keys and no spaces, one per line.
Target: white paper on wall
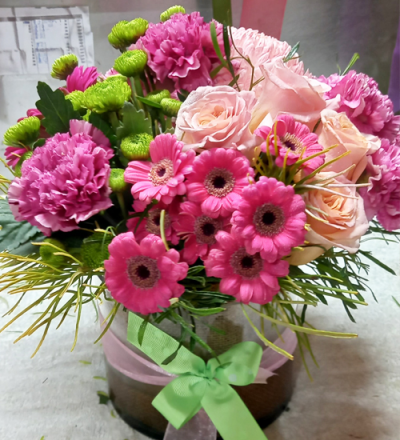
{"x":31,"y":39}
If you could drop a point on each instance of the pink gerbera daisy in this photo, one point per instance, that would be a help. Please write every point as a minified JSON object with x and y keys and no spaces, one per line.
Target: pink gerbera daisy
{"x":218,"y":178}
{"x":151,"y":223}
{"x":162,"y":178}
{"x":270,"y":218}
{"x":143,"y":277}
{"x":293,"y":140}
{"x":245,"y":276}
{"x":198,"y":230}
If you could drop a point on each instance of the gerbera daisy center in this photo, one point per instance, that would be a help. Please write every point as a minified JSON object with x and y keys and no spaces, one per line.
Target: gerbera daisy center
{"x":161,"y":172}
{"x":143,"y":272}
{"x":219,"y":182}
{"x":292,"y":142}
{"x":206,"y":228}
{"x":246,"y":265}
{"x":269,"y":219}
{"x":153,"y":221}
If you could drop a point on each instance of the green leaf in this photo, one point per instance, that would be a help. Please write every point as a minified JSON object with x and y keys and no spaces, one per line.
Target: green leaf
{"x":222,"y":11}
{"x":217,"y":49}
{"x":142,"y":329}
{"x":103,"y":397}
{"x":292,"y":52}
{"x":100,"y":378}
{"x":133,"y":122}
{"x":57,"y":110}
{"x":203,"y":311}
{"x":353,"y":60}
{"x":14,"y":234}
{"x":85,"y":362}
{"x":376,"y":261}
{"x":96,"y":120}
{"x":148,"y":102}
{"x":39,"y":143}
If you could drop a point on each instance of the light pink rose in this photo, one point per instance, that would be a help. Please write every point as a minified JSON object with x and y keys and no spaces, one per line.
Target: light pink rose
{"x":216,"y":117}
{"x":285,"y":91}
{"x":337,"y":129}
{"x":339,"y":219}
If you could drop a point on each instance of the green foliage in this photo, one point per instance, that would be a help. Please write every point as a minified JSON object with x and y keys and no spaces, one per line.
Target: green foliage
{"x":133,"y":122}
{"x":57,"y":110}
{"x":98,"y":121}
{"x":14,"y":234}
{"x":103,"y":397}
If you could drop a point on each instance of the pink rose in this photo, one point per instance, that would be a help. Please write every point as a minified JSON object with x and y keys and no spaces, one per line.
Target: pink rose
{"x":337,"y":129}
{"x":338,"y":218}
{"x":285,"y":91}
{"x":216,"y":117}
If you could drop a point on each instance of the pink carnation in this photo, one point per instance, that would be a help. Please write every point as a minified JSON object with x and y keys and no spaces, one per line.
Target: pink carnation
{"x":179,"y":49}
{"x":81,"y":78}
{"x":143,"y":277}
{"x":293,"y":140}
{"x":64,"y":182}
{"x":359,"y":96}
{"x":162,"y":178}
{"x":151,"y":223}
{"x":198,"y":231}
{"x":261,"y":49}
{"x":245,"y":276}
{"x":382,"y":198}
{"x":217,"y":181}
{"x":270,"y":218}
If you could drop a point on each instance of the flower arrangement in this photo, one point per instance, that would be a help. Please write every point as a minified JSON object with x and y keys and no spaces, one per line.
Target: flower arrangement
{"x":205,"y":167}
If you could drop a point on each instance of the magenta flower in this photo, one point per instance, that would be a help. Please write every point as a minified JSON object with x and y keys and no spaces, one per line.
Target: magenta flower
{"x":178,"y":49}
{"x":81,"y":79}
{"x":245,"y":276}
{"x":382,"y":198}
{"x":294,"y":140}
{"x":64,"y":182}
{"x":198,"y":231}
{"x":13,"y":155}
{"x":143,"y":277}
{"x":359,"y":96}
{"x":270,"y":218}
{"x":217,"y":181}
{"x":151,"y":223}
{"x":162,"y":178}
{"x":32,"y":112}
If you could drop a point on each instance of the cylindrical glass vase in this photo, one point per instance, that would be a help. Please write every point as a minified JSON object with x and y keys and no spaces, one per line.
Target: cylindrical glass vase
{"x":133,"y":399}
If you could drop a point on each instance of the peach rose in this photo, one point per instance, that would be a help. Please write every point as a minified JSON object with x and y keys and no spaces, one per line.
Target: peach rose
{"x":338,"y":218}
{"x":285,"y":91}
{"x":337,"y":129}
{"x":216,"y":117}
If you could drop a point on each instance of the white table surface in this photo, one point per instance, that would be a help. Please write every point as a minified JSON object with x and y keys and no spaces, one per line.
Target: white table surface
{"x":355,"y":393}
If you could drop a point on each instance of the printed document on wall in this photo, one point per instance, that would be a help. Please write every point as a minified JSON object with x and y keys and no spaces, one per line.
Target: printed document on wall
{"x":32,"y":38}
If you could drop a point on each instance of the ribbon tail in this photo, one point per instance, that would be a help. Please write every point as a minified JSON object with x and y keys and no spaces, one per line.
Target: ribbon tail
{"x":229,"y":414}
{"x":200,"y":427}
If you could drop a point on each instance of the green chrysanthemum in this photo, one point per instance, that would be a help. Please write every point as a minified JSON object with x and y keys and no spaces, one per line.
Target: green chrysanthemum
{"x":94,"y":250}
{"x":108,"y":95}
{"x":117,"y":182}
{"x":170,"y":107}
{"x":124,"y":33}
{"x":77,"y":99}
{"x":64,"y":66}
{"x":131,"y":63}
{"x":158,"y":95}
{"x":25,"y":132}
{"x":166,"y":15}
{"x":136,"y":146}
{"x":24,"y":157}
{"x":48,"y":252}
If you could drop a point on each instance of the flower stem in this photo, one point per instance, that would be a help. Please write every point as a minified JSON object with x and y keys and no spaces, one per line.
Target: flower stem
{"x":114,"y":120}
{"x":121,"y":202}
{"x":162,"y":229}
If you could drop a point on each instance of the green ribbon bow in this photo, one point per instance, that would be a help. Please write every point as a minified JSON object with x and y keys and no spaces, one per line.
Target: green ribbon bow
{"x":200,"y":385}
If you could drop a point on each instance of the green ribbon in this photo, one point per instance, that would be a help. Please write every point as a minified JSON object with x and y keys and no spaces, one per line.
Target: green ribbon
{"x":200,"y":385}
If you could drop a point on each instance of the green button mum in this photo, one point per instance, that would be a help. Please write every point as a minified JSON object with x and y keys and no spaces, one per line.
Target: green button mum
{"x":158,"y":95}
{"x":94,"y":250}
{"x":136,"y":146}
{"x":25,"y":132}
{"x":166,"y":15}
{"x":131,"y":63}
{"x":170,"y":107}
{"x":108,"y":95}
{"x":125,"y":33}
{"x":64,"y":66}
{"x":77,"y":99}
{"x":48,"y":251}
{"x":116,"y":181}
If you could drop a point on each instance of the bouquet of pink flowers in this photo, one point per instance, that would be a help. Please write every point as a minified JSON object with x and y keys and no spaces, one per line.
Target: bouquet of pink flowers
{"x":206,"y":167}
